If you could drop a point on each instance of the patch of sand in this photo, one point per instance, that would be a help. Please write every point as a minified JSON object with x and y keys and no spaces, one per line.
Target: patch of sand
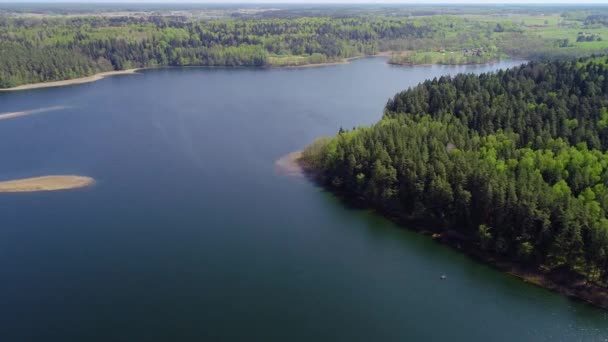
{"x":290,"y":164}
{"x":81,"y":80}
{"x":46,"y":183}
{"x":5,"y":116}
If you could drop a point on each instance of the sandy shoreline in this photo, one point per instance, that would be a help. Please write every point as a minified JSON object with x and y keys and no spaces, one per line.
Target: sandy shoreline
{"x":46,"y":183}
{"x":289,"y":164}
{"x":343,"y":61}
{"x":81,"y":80}
{"x":103,"y":75}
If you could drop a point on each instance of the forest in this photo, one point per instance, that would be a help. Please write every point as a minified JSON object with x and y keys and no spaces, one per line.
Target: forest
{"x":513,"y":162}
{"x":45,"y":47}
{"x":35,"y":50}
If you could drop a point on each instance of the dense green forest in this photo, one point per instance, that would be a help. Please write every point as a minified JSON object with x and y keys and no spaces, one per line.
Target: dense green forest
{"x":514,"y":162}
{"x":43,"y":48}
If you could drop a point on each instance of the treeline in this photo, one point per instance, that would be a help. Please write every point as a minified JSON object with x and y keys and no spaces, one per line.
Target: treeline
{"x":585,"y":37}
{"x":34,"y":50}
{"x":50,"y":49}
{"x":21,"y":64}
{"x":597,"y":19}
{"x":513,"y":162}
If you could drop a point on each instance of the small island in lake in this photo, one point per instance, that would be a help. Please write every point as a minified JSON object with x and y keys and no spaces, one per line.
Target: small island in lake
{"x":46,"y":183}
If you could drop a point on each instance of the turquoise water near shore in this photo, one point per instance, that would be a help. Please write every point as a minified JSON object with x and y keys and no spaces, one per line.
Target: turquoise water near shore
{"x":190,"y":233}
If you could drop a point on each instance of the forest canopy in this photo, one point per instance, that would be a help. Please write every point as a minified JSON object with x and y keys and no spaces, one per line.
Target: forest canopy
{"x":514,"y":161}
{"x":50,"y":48}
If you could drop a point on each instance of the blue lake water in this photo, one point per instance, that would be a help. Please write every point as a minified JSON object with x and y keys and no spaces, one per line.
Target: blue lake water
{"x":191,"y":234}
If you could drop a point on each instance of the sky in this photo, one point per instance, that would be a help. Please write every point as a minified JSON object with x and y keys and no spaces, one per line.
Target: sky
{"x":419,"y":2}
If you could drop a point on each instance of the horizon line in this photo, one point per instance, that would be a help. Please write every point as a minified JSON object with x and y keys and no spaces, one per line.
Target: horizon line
{"x":314,"y":2}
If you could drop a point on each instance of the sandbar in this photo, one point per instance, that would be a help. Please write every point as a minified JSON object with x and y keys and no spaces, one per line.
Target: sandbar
{"x":46,"y":183}
{"x":290,"y":164}
{"x":5,"y":116}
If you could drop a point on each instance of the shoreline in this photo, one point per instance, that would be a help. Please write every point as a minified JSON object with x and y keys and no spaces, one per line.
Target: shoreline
{"x":340,"y":62}
{"x":102,"y":75}
{"x":493,"y":61}
{"x":81,"y":80}
{"x":45,"y":183}
{"x":557,"y":281}
{"x":289,"y":164}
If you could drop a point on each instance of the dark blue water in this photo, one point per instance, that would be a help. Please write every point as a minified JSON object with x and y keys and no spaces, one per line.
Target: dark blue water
{"x":190,"y":233}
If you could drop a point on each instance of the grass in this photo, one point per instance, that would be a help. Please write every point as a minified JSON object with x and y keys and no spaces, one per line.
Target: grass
{"x":549,"y":27}
{"x":288,"y":60}
{"x":572,"y":33}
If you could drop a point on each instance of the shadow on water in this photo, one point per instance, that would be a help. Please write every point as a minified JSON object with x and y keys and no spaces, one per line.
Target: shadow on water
{"x":472,"y":272}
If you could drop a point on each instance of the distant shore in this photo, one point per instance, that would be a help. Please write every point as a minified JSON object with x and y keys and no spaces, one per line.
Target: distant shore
{"x":46,"y":183}
{"x":558,"y":281}
{"x":81,"y":80}
{"x":103,"y":75}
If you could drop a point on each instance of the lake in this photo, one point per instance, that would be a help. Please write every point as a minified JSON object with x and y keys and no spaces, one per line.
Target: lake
{"x":190,"y":233}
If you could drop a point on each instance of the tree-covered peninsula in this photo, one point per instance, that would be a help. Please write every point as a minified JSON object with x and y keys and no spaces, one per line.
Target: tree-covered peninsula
{"x":512,"y":163}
